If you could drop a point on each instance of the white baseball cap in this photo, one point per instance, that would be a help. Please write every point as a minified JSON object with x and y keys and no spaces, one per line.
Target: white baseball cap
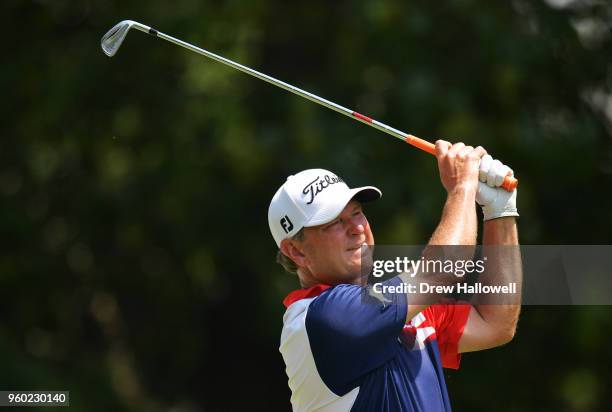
{"x":310,"y":198}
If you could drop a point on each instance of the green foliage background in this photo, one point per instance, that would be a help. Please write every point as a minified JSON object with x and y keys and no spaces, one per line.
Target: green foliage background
{"x":136,"y":268}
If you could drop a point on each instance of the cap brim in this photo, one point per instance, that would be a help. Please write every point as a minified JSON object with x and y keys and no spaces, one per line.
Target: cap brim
{"x":361,"y":194}
{"x":366,"y":194}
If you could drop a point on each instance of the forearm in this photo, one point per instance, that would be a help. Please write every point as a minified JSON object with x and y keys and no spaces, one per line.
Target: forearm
{"x":502,"y":231}
{"x":458,"y":225}
{"x":501,"y":248}
{"x":459,"y":172}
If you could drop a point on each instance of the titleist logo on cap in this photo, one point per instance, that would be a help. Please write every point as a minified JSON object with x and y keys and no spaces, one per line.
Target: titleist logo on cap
{"x":318,"y":185}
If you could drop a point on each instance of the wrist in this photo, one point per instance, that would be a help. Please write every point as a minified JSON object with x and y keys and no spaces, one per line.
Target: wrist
{"x":459,"y":201}
{"x":463,"y":190}
{"x":489,"y":214}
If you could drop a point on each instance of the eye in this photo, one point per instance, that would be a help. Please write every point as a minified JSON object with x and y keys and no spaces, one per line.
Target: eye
{"x":331,"y":224}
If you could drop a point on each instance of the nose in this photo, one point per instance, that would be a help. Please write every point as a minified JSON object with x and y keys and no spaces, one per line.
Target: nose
{"x":357,"y":225}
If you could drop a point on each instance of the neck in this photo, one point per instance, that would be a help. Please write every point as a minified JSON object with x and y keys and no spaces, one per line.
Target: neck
{"x":306,"y":279}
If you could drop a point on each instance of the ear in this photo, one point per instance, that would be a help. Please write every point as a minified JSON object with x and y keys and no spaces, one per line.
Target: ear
{"x":293,"y":251}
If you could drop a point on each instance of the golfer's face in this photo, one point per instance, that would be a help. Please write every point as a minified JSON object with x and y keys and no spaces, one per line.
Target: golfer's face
{"x":334,"y":250}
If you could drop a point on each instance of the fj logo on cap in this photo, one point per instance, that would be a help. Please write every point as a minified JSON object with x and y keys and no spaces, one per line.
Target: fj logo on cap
{"x":286,"y":224}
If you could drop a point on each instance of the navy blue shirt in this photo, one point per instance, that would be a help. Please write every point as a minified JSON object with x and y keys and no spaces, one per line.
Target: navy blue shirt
{"x":347,"y":350}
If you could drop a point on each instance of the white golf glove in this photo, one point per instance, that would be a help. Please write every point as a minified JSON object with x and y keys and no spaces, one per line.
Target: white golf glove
{"x":495,"y":201}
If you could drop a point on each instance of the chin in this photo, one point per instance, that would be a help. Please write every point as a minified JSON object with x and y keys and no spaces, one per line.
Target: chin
{"x":354,"y":271}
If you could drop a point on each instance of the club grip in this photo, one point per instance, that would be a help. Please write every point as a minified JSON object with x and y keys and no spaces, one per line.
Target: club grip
{"x":421,"y":144}
{"x":510,"y":182}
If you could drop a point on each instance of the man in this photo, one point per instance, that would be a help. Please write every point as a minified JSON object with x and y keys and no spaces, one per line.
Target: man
{"x":344,"y":352}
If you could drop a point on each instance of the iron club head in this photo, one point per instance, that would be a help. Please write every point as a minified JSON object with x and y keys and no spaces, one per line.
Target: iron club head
{"x":113,"y":38}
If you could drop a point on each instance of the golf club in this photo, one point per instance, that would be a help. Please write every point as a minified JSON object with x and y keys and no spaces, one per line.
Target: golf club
{"x":112,"y":40}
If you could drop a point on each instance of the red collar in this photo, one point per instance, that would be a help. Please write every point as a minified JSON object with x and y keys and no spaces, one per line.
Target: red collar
{"x":299,"y":294}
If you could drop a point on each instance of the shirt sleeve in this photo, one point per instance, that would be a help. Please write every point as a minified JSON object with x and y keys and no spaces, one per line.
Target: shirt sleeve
{"x":449,"y":322}
{"x":352,"y":332}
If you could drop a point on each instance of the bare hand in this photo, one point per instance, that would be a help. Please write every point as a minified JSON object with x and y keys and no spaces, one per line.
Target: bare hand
{"x":458,"y":165}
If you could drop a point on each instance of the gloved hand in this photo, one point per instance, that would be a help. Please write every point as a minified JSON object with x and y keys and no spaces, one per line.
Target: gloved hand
{"x":495,"y":201}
